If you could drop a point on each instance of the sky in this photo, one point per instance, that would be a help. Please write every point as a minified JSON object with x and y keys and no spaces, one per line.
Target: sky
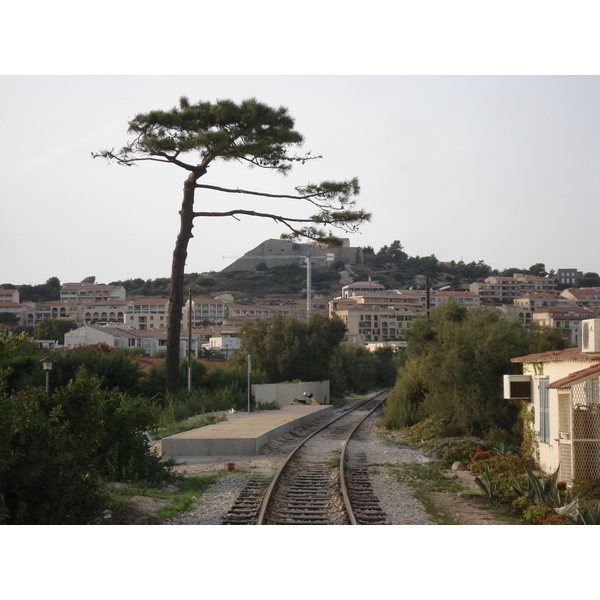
{"x":502,"y":169}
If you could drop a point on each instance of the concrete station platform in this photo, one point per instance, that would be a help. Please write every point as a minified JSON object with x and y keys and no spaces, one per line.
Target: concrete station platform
{"x":242,"y":434}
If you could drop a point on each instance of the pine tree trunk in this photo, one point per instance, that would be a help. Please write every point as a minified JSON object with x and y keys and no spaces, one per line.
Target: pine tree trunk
{"x":176,"y":293}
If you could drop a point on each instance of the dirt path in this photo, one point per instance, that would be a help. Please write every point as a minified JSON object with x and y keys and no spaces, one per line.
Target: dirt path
{"x":468,"y":508}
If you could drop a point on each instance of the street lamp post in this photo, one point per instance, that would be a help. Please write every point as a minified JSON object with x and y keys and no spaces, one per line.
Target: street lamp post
{"x":190,"y":308}
{"x":47,"y":366}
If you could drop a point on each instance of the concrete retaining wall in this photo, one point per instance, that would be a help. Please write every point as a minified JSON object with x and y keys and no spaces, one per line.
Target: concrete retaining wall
{"x":284,"y":393}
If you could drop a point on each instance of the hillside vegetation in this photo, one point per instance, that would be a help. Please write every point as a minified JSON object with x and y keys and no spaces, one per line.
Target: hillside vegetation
{"x":390,"y":266}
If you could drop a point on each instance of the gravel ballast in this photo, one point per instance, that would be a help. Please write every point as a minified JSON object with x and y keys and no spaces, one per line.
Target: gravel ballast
{"x":381,"y":454}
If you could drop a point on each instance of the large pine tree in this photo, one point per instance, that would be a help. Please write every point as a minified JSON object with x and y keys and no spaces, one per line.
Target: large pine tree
{"x":251,"y":133}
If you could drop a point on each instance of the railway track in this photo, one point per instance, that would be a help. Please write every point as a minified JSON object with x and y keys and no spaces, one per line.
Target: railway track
{"x":319,"y":483}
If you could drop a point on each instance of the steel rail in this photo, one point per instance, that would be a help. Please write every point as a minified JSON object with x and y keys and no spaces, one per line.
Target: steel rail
{"x":281,"y":470}
{"x":343,"y":484}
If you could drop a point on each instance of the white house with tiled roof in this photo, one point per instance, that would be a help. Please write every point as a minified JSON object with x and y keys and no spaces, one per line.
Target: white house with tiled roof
{"x":151,"y":341}
{"x":562,"y":393}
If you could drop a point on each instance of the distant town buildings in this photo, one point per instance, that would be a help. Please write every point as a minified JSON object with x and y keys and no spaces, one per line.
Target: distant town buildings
{"x":88,"y":292}
{"x":373,"y":315}
{"x":501,"y":290}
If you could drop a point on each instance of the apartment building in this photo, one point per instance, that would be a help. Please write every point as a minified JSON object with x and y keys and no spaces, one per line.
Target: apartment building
{"x":361,"y":287}
{"x":503,"y":290}
{"x":147,"y":313}
{"x":24,"y":311}
{"x":468,"y":299}
{"x":9,"y":295}
{"x":364,"y":325}
{"x":537,"y":300}
{"x":583,"y":297}
{"x":568,"y":276}
{"x":88,"y":292}
{"x":103,"y":312}
{"x":387,"y":315}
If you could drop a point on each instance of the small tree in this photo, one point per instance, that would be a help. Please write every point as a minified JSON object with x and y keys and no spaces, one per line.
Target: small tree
{"x":53,"y":329}
{"x":284,"y":348}
{"x":454,"y":366}
{"x":251,"y":133}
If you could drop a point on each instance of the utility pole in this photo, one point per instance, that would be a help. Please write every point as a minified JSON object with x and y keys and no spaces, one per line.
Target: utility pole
{"x":307,"y":257}
{"x":249,"y":374}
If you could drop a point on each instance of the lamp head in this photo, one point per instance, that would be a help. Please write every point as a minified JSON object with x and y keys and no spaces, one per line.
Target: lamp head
{"x":47,"y":363}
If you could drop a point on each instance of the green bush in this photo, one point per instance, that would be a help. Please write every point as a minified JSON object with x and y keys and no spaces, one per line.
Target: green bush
{"x":542,"y":514}
{"x":201,"y":401}
{"x":455,"y":360}
{"x":117,"y":368}
{"x":462,"y":453}
{"x":153,"y":383}
{"x":56,"y":451}
{"x":47,"y":469}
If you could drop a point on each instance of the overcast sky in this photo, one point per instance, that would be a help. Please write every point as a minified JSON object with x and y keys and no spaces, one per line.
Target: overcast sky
{"x":501,"y":168}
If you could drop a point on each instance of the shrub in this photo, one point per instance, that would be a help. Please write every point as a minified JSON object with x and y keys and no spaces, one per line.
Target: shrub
{"x":463,"y":453}
{"x":542,"y":514}
{"x":115,"y":367}
{"x":586,"y":488}
{"x":153,"y":383}
{"x":56,"y":450}
{"x":498,"y":465}
{"x":47,"y":473}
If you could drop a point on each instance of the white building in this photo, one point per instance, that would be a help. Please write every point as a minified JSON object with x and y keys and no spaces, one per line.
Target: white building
{"x":88,"y":292}
{"x":562,"y":392}
{"x":151,"y":341}
{"x":225,"y":345}
{"x":147,"y":313}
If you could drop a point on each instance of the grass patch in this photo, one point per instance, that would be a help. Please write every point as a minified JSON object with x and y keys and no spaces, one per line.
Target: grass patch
{"x":333,"y":463}
{"x":260,"y":406}
{"x":426,"y":477}
{"x":183,"y":499}
{"x":423,"y":479}
{"x":165,"y":429}
{"x":188,"y":495}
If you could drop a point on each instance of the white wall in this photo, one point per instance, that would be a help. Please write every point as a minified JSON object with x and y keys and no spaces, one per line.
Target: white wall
{"x":284,"y":393}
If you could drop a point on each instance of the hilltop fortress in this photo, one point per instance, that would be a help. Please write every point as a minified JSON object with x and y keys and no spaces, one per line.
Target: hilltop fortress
{"x":275,"y":253}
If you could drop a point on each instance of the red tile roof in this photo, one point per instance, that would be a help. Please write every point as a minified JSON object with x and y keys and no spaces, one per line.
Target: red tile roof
{"x":556,"y":355}
{"x":575,"y":377}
